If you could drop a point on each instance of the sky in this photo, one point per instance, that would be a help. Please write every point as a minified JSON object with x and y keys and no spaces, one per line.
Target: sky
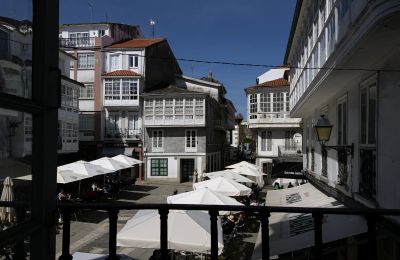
{"x":239,"y":31}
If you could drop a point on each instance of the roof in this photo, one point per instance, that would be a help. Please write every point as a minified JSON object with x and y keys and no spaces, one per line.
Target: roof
{"x":96,"y":23}
{"x":276,"y":83}
{"x":171,"y":89}
{"x":200,"y":81}
{"x":136,"y":43}
{"x":72,"y":81}
{"x":292,"y":30}
{"x":121,"y":73}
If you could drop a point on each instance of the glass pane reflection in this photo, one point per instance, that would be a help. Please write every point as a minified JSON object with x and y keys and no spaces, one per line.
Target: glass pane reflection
{"x":16,"y":47}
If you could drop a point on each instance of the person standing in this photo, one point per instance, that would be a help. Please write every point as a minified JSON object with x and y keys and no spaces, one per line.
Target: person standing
{"x":195,"y":174}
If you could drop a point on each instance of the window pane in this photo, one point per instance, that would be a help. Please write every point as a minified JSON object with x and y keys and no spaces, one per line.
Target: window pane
{"x":372,"y":114}
{"x":363,"y":123}
{"x":16,"y":48}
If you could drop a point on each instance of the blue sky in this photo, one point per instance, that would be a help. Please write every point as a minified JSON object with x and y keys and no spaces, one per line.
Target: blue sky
{"x":240,"y":31}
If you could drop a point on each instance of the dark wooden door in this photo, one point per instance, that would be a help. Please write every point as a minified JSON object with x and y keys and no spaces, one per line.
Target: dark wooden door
{"x":187,"y":168}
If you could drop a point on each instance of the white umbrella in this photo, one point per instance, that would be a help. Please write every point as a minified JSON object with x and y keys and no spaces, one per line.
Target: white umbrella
{"x":224,"y":186}
{"x":258,"y":176}
{"x":203,"y":196}
{"x":126,"y":159}
{"x":111,"y":164}
{"x":85,"y":168}
{"x":229,"y":174}
{"x":243,"y":163}
{"x":7,"y":213}
{"x":63,"y":176}
{"x":187,"y":231}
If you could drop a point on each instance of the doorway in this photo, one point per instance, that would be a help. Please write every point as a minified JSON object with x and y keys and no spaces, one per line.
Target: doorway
{"x":187,"y":168}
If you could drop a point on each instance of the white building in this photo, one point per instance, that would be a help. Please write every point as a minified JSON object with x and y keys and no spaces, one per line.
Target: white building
{"x":353,"y":46}
{"x":273,"y":128}
{"x":185,"y":129}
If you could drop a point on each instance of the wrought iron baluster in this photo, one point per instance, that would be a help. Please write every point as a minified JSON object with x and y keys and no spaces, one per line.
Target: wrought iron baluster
{"x":164,"y":233}
{"x":112,"y":240}
{"x":214,"y":234}
{"x":66,"y":217}
{"x":317,"y":235}
{"x":264,"y":215}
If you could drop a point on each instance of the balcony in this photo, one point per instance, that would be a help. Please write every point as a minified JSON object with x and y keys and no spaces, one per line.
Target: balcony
{"x":289,"y":151}
{"x":121,"y":102}
{"x":276,"y":119}
{"x":134,"y":134}
{"x":174,"y":120}
{"x":77,"y":42}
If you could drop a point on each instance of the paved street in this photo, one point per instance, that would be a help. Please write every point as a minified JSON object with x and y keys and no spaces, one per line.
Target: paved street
{"x":90,"y":233}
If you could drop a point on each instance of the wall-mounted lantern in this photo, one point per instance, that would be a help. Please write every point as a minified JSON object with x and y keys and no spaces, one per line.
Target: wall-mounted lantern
{"x":323,"y":130}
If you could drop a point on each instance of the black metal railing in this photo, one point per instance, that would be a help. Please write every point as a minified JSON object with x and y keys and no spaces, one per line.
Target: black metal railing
{"x":264,"y":213}
{"x":77,"y":42}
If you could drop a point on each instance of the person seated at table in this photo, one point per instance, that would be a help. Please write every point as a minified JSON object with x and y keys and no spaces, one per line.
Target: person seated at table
{"x":276,"y":186}
{"x":156,"y":255}
{"x":229,"y":224}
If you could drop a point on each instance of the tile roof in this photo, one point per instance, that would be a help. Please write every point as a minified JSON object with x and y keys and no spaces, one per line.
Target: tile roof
{"x":171,"y":89}
{"x":121,"y":73}
{"x":136,"y":43}
{"x":276,"y":83}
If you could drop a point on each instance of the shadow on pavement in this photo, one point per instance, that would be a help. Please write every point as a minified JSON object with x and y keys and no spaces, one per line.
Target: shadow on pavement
{"x":91,"y":216}
{"x":129,"y":195}
{"x":144,"y":188}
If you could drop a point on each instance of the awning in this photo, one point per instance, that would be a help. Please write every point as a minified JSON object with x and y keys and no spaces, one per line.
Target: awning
{"x":112,"y":151}
{"x":291,"y":231}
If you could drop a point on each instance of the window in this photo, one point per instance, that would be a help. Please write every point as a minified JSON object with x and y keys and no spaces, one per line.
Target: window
{"x":158,"y":140}
{"x":289,"y":141}
{"x":133,"y":121}
{"x":79,"y":39}
{"x":342,"y":121}
{"x":179,"y":108}
{"x":266,"y":141}
{"x":159,"y":167}
{"x":28,"y":128}
{"x":86,"y":92}
{"x":265,"y":102}
{"x":102,"y":33}
{"x":191,"y":141}
{"x":199,"y":108}
{"x":114,"y":62}
{"x":148,"y":109}
{"x":169,"y":108}
{"x":343,"y":8}
{"x":158,"y":108}
{"x":277,"y":100}
{"x":133,"y":61}
{"x":189,"y":108}
{"x":112,"y":121}
{"x":85,"y":61}
{"x":368,"y":107}
{"x":253,"y":106}
{"x":121,"y":89}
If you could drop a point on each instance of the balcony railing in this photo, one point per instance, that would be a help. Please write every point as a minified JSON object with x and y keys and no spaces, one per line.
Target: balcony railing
{"x":289,"y":151}
{"x":18,"y":232}
{"x":77,"y":42}
{"x":122,"y":133}
{"x":273,"y":118}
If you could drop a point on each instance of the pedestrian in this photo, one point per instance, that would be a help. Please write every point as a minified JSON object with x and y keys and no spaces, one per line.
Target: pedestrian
{"x":290,"y":185}
{"x":195,"y":174}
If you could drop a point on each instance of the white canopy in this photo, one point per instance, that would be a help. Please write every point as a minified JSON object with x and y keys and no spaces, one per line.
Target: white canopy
{"x":111,"y":164}
{"x":126,"y":159}
{"x":203,"y":196}
{"x":292,"y":231}
{"x":229,"y":174}
{"x":243,"y":164}
{"x":224,"y":186}
{"x":85,"y":168}
{"x":63,"y":176}
{"x":187,"y":231}
{"x":256,"y":174}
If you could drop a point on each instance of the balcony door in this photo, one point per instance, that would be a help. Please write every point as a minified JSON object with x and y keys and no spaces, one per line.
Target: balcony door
{"x":187,"y":168}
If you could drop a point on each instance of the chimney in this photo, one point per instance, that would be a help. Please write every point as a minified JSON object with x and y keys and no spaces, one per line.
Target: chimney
{"x":210,"y":75}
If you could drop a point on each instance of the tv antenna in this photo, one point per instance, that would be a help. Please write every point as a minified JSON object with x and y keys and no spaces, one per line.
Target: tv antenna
{"x":153,"y":26}
{"x":91,"y":11}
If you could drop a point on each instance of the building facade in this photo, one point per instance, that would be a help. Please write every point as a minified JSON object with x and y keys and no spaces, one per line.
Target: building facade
{"x":184,"y":130}
{"x":352,"y":48}
{"x":278,"y":139}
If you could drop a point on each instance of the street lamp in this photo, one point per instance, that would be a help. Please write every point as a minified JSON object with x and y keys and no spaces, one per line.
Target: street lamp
{"x":323,"y":129}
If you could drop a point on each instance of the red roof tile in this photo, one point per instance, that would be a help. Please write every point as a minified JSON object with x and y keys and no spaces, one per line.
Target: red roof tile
{"x":136,"y":43}
{"x":281,"y":82}
{"x":122,"y":73}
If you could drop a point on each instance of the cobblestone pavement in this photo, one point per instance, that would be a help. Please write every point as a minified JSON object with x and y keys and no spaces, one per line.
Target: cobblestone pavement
{"x":89,"y":233}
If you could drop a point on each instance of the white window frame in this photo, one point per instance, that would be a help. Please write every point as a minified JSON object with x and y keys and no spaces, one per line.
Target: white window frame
{"x":117,"y":60}
{"x":366,"y":85}
{"x":157,"y":140}
{"x":342,"y":120}
{"x":191,"y":139}
{"x":135,"y":61}
{"x":83,"y":61}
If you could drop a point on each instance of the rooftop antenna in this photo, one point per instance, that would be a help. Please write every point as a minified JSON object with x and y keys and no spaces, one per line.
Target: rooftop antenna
{"x":106,"y":17}
{"x":91,"y":11}
{"x":153,"y":26}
